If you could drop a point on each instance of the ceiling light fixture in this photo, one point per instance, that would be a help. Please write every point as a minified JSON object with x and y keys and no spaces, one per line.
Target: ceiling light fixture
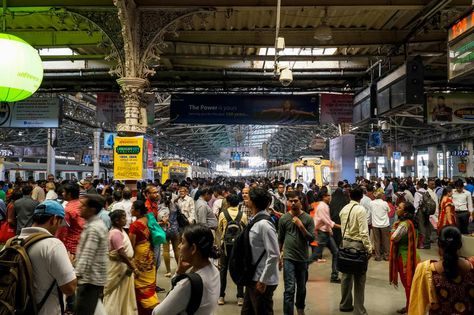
{"x":323,"y":32}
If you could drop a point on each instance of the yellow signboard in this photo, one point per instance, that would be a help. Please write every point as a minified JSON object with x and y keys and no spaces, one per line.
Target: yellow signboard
{"x":128,"y":158}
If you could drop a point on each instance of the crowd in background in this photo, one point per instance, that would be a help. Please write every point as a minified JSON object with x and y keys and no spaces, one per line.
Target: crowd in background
{"x":111,"y":241}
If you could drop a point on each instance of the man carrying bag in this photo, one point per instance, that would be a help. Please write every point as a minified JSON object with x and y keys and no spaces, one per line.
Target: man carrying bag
{"x":354,"y":254}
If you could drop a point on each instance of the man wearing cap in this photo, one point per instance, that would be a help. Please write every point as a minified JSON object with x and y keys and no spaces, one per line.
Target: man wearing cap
{"x":87,"y":187}
{"x":92,"y":256}
{"x":49,"y":258}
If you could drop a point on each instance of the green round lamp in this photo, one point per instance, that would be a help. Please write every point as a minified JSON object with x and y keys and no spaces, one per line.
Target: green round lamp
{"x":21,"y":69}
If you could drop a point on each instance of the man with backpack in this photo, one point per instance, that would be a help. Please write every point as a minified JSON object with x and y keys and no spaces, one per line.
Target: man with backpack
{"x":231,"y":223}
{"x":296,"y":231}
{"x":52,"y":273}
{"x":265,"y":253}
{"x":425,"y":206}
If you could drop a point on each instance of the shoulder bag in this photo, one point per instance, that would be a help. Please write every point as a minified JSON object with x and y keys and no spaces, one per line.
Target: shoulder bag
{"x":351,"y":260}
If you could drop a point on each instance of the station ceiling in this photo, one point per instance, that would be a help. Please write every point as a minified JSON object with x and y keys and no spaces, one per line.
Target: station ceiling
{"x":227,"y":47}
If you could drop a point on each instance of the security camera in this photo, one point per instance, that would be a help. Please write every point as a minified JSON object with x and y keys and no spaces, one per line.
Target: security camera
{"x":286,"y":77}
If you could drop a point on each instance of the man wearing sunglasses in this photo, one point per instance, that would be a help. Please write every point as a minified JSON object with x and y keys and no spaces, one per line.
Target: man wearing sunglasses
{"x":296,"y":231}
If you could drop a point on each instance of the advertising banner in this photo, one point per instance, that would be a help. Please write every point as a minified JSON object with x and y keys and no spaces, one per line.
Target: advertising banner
{"x":454,"y":108}
{"x":336,"y":108}
{"x":34,"y":112}
{"x":110,"y":107}
{"x":244,"y":109}
{"x":128,"y":158}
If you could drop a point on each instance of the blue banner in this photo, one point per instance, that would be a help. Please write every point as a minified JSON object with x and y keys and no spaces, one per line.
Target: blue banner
{"x":245,"y":109}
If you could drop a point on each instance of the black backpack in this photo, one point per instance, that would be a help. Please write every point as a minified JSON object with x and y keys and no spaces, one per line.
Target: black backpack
{"x":428,"y":205}
{"x":16,"y":277}
{"x":233,"y":228}
{"x":241,"y":268}
{"x":278,"y":206}
{"x":196,"y":290}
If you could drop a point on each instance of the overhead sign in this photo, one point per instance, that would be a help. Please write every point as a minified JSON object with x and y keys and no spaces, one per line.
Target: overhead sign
{"x":461,"y":26}
{"x":105,"y":159}
{"x":34,"y":112}
{"x":128,"y":158}
{"x":460,"y":153}
{"x":109,"y":138}
{"x":375,"y":139}
{"x":244,"y":109}
{"x":87,"y":159}
{"x":397,"y":155}
{"x":456,"y":108}
{"x":336,"y":108}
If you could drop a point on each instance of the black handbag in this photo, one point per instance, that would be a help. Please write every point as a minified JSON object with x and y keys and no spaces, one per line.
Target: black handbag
{"x":351,"y":260}
{"x":181,"y":218}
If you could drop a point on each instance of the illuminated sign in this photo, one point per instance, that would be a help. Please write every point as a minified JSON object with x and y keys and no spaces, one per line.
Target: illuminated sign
{"x":460,"y":153}
{"x":461,"y":26}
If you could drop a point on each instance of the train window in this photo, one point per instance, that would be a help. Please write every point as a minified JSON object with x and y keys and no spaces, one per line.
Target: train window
{"x":306,"y":171}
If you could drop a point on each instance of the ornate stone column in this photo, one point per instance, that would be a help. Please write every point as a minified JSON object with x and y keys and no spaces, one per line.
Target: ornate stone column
{"x":132,"y":90}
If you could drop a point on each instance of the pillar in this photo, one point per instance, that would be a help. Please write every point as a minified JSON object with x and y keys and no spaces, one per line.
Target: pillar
{"x":432,"y":161}
{"x":51,"y":153}
{"x":96,"y":153}
{"x":132,"y":90}
{"x":415,"y":166}
{"x":445,"y":160}
{"x":361,"y":165}
{"x":469,"y":162}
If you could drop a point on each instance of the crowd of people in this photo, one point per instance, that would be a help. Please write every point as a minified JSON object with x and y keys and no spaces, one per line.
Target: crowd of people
{"x":109,"y":242}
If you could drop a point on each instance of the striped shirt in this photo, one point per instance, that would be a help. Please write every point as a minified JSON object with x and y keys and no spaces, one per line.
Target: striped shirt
{"x":92,"y":251}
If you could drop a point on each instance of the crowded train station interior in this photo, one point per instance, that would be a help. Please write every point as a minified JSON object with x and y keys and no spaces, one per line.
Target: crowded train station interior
{"x":197,"y":157}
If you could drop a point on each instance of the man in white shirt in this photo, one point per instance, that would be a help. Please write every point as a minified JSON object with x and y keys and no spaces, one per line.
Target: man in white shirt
{"x":186,"y":204}
{"x":49,"y":258}
{"x":463,"y":206}
{"x":380,"y":227}
{"x":126,"y":205}
{"x":258,"y":298}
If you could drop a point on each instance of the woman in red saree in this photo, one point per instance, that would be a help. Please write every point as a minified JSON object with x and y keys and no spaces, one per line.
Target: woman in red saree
{"x":144,"y":260}
{"x":447,"y":216}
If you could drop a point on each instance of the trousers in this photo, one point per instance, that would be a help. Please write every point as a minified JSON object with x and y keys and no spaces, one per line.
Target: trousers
{"x":87,"y":296}
{"x":256,"y":303}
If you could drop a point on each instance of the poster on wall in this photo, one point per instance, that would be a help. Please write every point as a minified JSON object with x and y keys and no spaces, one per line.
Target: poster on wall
{"x":244,"y":109}
{"x":128,"y":158}
{"x":452,"y":108}
{"x":110,"y":107}
{"x":34,"y":112}
{"x":337,"y":108}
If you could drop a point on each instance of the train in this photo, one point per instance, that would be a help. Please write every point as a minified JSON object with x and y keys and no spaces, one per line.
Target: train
{"x":310,"y":167}
{"x":174,"y":169}
{"x":13,"y":170}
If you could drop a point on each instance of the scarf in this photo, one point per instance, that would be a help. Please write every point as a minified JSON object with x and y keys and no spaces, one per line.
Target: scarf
{"x":412,"y":260}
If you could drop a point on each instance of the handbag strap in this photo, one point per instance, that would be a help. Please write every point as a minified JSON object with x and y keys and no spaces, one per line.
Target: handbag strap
{"x":345,"y":227}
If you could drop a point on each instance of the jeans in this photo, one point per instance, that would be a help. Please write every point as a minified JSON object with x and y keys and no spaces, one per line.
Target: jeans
{"x":256,"y":303}
{"x":87,"y":297}
{"x":223,"y":267}
{"x":326,"y":240}
{"x":295,"y":275}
